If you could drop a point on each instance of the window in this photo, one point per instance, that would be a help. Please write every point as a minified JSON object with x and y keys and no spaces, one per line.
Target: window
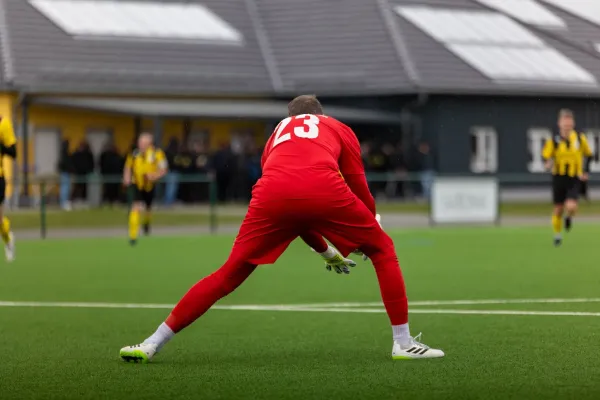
{"x":496,"y":46}
{"x":137,"y":20}
{"x":528,"y":11}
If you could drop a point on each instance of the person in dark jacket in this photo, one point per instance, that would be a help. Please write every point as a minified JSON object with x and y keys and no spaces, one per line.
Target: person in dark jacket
{"x":425,"y":165}
{"x":223,"y":163}
{"x":65,"y":169}
{"x":200,"y":169}
{"x":83,"y":165}
{"x":184,"y":165}
{"x":172,"y":178}
{"x":111,"y":166}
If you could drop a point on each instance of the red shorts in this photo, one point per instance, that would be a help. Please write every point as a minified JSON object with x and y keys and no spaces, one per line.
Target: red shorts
{"x":270,"y":226}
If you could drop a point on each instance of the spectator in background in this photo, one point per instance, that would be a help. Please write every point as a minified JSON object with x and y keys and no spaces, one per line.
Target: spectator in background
{"x":83,"y":165}
{"x":201,"y":168}
{"x":65,"y":169}
{"x":399,"y":168}
{"x":172,"y":178}
{"x":223,"y":163}
{"x":184,"y":165}
{"x":380,"y":162}
{"x":425,"y":166}
{"x":111,"y":167}
{"x":253,"y":168}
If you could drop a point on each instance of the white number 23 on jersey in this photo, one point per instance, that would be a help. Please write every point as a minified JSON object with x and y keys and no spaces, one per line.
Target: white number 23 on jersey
{"x":308,"y":130}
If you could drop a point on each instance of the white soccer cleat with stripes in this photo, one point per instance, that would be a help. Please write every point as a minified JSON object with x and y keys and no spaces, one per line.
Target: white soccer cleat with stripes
{"x":414,"y":350}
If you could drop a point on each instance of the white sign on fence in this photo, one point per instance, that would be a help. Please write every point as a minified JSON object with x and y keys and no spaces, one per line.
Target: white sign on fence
{"x":464,"y":200}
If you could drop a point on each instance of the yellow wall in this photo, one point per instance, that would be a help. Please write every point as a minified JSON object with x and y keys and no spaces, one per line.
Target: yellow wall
{"x":73,"y":125}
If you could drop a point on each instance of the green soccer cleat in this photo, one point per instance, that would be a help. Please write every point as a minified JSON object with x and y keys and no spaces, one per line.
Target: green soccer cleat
{"x":139,"y":353}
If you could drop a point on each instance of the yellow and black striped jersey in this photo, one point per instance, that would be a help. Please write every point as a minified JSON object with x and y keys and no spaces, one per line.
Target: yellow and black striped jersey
{"x":568,"y":154}
{"x":143,"y":163}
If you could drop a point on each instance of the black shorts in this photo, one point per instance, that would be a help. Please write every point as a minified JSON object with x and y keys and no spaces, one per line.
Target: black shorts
{"x":2,"y":189}
{"x":143,"y":196}
{"x":565,"y":188}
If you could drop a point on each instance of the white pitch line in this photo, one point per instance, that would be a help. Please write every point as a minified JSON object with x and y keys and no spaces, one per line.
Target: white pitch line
{"x":291,"y":307}
{"x":506,"y":312}
{"x":59,"y":304}
{"x":458,"y":302}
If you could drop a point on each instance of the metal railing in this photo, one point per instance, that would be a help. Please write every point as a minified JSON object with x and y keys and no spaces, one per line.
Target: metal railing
{"x":202,"y":203}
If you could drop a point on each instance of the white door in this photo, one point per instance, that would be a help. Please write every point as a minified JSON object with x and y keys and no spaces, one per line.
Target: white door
{"x":46,"y":151}
{"x":97,"y":139}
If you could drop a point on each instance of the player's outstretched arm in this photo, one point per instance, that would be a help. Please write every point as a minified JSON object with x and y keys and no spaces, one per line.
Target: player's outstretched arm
{"x":548,"y":153}
{"x":352,"y":168}
{"x":8,"y":142}
{"x":588,"y":155}
{"x":127,"y":171}
{"x":315,"y":241}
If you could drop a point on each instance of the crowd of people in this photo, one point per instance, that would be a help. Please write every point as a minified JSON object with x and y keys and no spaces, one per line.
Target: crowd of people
{"x":235,"y":169}
{"x":395,"y":172}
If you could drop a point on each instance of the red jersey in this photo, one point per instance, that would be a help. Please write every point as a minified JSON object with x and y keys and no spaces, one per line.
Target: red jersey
{"x":310,"y":156}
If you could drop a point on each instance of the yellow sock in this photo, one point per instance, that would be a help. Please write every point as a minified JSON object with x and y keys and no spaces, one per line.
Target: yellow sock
{"x":134,"y":224}
{"x":557,"y":224}
{"x":147,"y":218}
{"x":5,"y":230}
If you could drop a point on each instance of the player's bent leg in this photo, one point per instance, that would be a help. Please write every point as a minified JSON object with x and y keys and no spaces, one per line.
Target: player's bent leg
{"x":393,"y":293}
{"x":7,"y":236}
{"x":192,"y":306}
{"x":571,"y":206}
{"x":147,"y":221}
{"x":557,"y":220}
{"x":134,"y":221}
{"x":148,"y":200}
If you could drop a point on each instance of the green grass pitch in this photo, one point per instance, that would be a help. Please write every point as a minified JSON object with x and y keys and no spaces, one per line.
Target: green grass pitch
{"x":72,"y":353}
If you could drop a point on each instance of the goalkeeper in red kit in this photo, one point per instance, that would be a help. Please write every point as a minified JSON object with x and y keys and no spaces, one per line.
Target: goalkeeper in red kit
{"x":313,"y":186}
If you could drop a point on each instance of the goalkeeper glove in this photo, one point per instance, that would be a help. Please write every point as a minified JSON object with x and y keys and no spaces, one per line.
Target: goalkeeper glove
{"x":337,"y":262}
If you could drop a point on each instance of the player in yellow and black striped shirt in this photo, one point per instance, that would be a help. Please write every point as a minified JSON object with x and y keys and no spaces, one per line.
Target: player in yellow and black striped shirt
{"x":8,"y":147}
{"x":143,"y":168}
{"x":568,"y":155}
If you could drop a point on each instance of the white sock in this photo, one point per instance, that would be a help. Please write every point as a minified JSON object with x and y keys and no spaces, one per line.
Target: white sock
{"x":162,"y":335}
{"x":330,"y":252}
{"x":401,"y":334}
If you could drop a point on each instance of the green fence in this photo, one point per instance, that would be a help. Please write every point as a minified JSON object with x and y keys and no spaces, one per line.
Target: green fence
{"x":40,"y":211}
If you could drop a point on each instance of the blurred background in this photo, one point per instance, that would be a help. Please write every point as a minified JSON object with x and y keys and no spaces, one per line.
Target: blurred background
{"x":461,"y":89}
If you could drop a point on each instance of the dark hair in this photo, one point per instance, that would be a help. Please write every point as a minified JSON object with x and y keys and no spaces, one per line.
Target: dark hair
{"x":305,"y":104}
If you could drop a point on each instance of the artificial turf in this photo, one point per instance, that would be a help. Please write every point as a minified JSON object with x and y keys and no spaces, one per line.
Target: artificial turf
{"x":71,"y":353}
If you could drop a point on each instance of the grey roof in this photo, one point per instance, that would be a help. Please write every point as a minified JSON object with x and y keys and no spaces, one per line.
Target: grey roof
{"x":334,"y":45}
{"x":242,"y":109}
{"x":330,"y":47}
{"x":47,"y":58}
